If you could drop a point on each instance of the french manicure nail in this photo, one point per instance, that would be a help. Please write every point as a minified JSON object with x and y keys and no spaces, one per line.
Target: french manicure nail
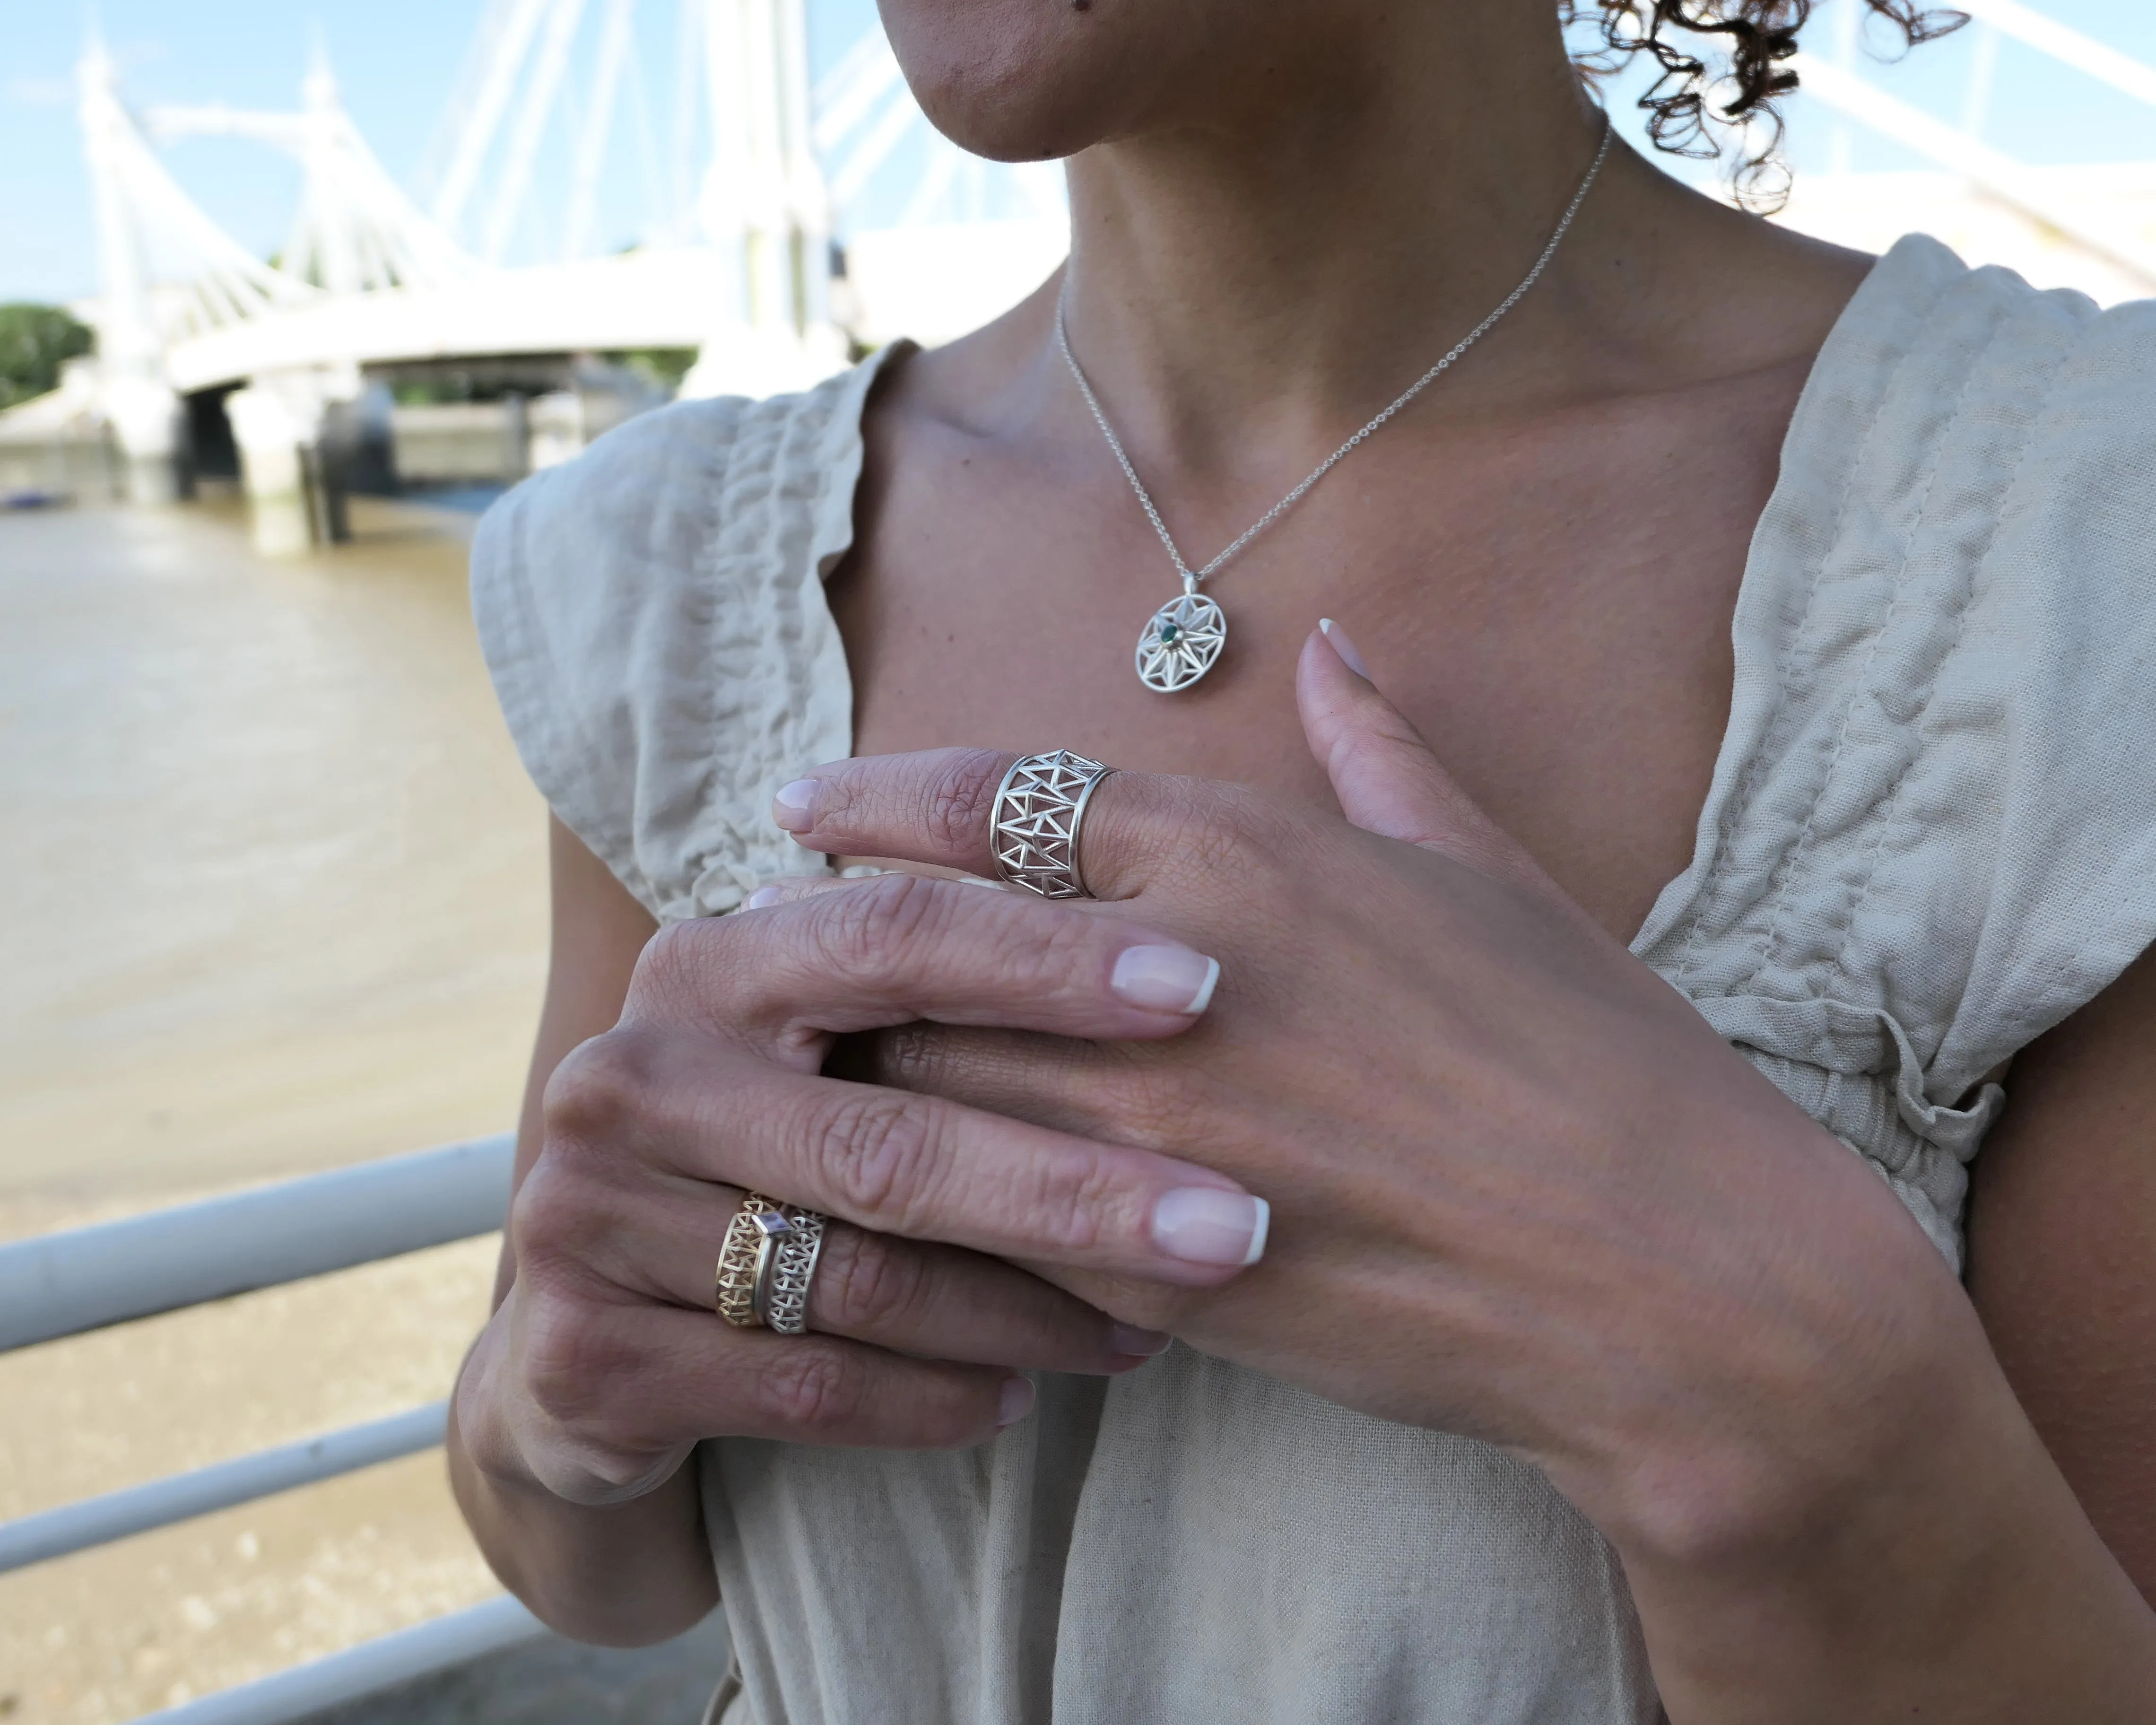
{"x":1202,"y":1224}
{"x":1165,"y":978}
{"x":1015,"y":1402}
{"x":764,"y":897}
{"x":794,"y":805}
{"x":1140,"y":1344}
{"x":1344,"y":646}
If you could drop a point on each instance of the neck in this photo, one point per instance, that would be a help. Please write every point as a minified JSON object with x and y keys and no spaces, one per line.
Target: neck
{"x":1349,"y":239}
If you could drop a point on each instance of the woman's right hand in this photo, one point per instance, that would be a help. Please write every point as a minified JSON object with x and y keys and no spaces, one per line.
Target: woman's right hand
{"x":606,"y":1362}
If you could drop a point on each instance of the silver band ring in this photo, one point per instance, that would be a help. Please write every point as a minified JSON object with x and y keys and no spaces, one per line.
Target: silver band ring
{"x":1033,"y":827}
{"x":785,"y":1265}
{"x":766,"y":1263}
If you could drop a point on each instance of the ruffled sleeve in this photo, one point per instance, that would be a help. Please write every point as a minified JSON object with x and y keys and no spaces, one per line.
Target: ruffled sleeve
{"x":653,"y":617}
{"x":1931,"y":833}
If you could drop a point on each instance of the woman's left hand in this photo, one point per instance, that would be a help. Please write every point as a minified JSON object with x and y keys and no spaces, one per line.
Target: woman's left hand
{"x":1520,"y":1189}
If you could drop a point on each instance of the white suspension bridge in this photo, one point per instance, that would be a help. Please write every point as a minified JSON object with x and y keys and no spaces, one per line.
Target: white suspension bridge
{"x":741,"y":267}
{"x":738,"y":260}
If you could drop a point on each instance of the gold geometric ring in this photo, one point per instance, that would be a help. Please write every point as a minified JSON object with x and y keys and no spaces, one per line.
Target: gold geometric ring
{"x":739,"y":1254}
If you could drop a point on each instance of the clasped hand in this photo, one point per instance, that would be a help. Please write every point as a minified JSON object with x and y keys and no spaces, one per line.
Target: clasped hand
{"x":1436,"y":1146}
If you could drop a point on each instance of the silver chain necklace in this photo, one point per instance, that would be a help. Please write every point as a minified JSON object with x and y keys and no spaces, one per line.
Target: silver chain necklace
{"x":1183,"y":639}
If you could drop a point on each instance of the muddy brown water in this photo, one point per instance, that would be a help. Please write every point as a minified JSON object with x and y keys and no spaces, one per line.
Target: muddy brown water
{"x":271,"y":900}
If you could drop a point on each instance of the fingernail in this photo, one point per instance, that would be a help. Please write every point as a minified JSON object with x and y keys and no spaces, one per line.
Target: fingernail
{"x":1015,"y":1402}
{"x":764,"y":897}
{"x":1202,"y":1224}
{"x":1165,"y":978}
{"x":1340,"y":644}
{"x":1129,"y":1338}
{"x":794,"y":805}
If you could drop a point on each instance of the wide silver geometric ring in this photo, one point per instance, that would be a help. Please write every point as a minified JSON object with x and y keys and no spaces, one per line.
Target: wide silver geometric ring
{"x":1033,"y":827}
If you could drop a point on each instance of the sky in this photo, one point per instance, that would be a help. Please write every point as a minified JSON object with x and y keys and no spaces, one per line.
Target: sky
{"x":397,"y":62}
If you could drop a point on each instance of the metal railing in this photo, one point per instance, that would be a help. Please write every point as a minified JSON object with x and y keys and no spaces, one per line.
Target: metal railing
{"x":438,"y":1644}
{"x":60,"y":1285}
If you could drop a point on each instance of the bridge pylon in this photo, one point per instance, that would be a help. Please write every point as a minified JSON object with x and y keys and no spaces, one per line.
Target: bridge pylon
{"x":168,"y":271}
{"x":763,"y":204}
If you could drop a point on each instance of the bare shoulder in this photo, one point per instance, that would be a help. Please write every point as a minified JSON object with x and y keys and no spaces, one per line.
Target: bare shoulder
{"x":1686,"y":290}
{"x":2062,"y":1243}
{"x":970,"y":388}
{"x":949,"y":428}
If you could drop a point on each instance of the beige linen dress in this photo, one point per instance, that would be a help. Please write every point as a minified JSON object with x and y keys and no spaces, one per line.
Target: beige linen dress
{"x":1931,"y":835}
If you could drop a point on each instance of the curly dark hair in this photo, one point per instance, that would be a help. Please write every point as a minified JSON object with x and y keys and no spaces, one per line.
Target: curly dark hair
{"x":1692,"y":102}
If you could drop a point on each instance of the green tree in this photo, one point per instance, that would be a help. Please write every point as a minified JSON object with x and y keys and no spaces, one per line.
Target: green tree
{"x":33,"y":340}
{"x":666,"y":367}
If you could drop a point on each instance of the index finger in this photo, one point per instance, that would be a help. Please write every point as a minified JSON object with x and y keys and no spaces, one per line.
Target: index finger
{"x":936,"y":807}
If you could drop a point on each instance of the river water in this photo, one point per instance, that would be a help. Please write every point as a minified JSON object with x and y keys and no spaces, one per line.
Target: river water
{"x":271,"y":876}
{"x":272,"y":898}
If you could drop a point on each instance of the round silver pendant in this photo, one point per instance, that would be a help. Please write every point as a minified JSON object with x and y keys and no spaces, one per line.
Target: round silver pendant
{"x":1180,"y":643}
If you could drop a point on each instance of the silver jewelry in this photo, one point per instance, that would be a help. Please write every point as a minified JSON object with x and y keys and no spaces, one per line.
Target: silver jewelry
{"x":1183,"y":639}
{"x":766,"y":1263}
{"x":1034,"y":825}
{"x":785,"y":1265}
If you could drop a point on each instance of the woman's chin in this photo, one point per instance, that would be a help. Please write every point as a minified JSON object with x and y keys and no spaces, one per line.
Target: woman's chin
{"x":1015,"y":80}
{"x":1003,"y":129}
{"x":1038,"y":117}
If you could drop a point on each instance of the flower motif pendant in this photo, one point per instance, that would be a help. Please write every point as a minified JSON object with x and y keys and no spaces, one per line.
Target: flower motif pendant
{"x":1180,"y":643}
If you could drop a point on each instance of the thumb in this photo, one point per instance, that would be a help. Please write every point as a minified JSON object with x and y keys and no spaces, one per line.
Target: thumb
{"x":1388,"y":781}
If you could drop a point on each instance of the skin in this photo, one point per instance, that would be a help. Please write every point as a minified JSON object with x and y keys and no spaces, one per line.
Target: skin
{"x":1763,"y":1386}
